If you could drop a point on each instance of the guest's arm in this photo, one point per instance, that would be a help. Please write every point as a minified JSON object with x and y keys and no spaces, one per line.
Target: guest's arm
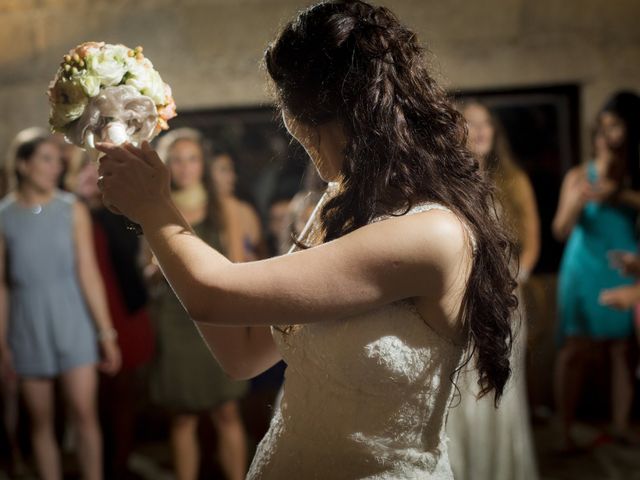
{"x":574,"y":194}
{"x":93,"y":288}
{"x":6,"y":363}
{"x":233,"y":235}
{"x":530,"y":224}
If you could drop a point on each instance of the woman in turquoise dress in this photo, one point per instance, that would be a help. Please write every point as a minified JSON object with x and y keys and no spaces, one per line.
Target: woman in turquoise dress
{"x":597,"y":218}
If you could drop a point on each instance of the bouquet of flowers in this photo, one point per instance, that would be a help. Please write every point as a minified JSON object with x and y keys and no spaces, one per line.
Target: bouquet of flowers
{"x":105,"y":92}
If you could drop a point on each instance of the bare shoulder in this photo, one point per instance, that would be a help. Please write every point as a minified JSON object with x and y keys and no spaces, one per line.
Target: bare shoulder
{"x":247,"y":210}
{"x":442,"y":233}
{"x":81,"y":215}
{"x":80,"y":210}
{"x":435,"y":237}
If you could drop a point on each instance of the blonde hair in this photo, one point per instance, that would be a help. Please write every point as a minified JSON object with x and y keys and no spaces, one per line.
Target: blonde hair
{"x":215,"y":211}
{"x":167,"y":141}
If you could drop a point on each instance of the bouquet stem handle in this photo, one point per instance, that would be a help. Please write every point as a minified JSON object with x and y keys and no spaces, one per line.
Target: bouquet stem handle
{"x":129,"y":225}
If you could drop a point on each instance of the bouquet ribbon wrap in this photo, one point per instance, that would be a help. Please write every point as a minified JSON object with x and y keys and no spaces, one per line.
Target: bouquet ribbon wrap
{"x":116,"y":115}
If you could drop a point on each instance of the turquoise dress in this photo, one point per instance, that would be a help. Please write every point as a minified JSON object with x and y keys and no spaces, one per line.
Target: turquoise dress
{"x":585,"y":271}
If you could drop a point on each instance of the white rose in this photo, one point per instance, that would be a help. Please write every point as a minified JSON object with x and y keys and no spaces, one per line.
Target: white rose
{"x":156,"y":90}
{"x":146,"y":80}
{"x":108,"y":64}
{"x":90,"y":83}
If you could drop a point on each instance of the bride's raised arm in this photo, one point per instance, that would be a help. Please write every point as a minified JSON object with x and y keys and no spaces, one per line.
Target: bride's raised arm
{"x":414,"y":256}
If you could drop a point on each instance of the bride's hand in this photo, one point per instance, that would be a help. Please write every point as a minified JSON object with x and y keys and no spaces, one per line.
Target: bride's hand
{"x":134,"y":181}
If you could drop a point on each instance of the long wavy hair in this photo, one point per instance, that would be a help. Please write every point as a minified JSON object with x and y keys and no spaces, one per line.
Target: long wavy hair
{"x":354,"y":63}
{"x":626,"y":106}
{"x":501,"y":167}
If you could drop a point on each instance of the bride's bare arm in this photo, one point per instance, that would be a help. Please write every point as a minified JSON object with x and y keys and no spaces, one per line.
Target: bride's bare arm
{"x":375,"y":265}
{"x":242,"y":352}
{"x":422,"y":255}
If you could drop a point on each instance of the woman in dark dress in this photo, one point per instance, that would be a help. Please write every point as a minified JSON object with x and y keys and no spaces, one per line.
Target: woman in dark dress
{"x":118,"y":254}
{"x":186,"y":379}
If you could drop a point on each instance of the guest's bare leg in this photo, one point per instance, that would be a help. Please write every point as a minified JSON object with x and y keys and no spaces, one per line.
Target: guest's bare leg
{"x":39,"y":398}
{"x":621,"y":385}
{"x":117,"y":400}
{"x":184,"y":443}
{"x":9,"y":390}
{"x":568,"y":381}
{"x":232,"y":442}
{"x":80,"y":389}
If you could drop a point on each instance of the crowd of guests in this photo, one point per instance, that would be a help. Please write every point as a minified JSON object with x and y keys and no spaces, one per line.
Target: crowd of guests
{"x":84,"y":305}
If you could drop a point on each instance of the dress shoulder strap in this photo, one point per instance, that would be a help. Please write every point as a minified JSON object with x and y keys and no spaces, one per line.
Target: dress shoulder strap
{"x":592,"y":171}
{"x":425,"y":207}
{"x":419,"y":208}
{"x":65,"y":197}
{"x":7,"y":201}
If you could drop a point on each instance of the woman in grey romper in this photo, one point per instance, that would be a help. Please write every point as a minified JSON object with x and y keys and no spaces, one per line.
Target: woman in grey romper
{"x":53,"y":308}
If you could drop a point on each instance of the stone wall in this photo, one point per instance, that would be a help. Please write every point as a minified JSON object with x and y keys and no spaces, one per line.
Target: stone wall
{"x":209,"y":50}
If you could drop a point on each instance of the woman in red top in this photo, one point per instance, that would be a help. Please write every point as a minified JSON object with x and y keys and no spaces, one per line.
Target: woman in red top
{"x":117,"y":252}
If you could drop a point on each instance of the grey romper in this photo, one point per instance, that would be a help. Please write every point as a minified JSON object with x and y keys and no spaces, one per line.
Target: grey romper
{"x":50,"y":329}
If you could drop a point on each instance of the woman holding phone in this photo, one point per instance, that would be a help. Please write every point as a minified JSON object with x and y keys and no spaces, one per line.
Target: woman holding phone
{"x":597,"y":214}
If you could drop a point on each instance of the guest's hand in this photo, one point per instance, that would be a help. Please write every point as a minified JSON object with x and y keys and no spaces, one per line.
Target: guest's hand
{"x":621,"y":298}
{"x":111,"y":357}
{"x":604,"y":190}
{"x":628,"y":263}
{"x":134,"y":181}
{"x":7,"y":371}
{"x":579,"y":193}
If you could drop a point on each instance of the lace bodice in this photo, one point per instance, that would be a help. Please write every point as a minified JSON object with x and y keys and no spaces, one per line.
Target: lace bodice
{"x":364,"y":397}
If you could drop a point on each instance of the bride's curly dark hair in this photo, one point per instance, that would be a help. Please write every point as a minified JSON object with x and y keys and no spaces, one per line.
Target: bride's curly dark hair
{"x":355,"y":63}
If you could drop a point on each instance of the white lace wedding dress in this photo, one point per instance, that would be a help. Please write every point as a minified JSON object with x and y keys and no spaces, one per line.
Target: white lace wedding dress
{"x":488,"y":443}
{"x":364,"y":397}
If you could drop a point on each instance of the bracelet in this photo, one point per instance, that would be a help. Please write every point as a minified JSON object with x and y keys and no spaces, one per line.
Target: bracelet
{"x":108,"y":334}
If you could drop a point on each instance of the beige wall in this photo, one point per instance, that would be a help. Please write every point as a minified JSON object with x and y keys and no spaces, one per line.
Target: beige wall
{"x":209,"y":50}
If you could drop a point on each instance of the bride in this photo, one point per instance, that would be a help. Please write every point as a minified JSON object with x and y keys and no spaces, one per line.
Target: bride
{"x":400,"y":273}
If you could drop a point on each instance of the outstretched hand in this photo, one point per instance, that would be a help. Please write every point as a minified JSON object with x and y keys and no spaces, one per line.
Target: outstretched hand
{"x":621,"y":298}
{"x":111,"y":357}
{"x":134,"y":181}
